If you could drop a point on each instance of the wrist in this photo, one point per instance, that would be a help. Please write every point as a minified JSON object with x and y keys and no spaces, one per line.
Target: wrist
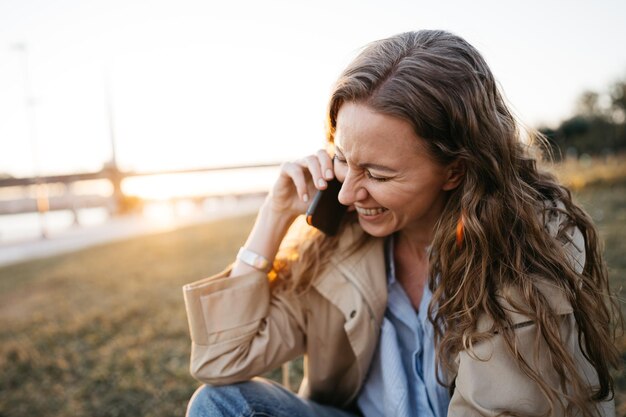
{"x":269,"y":229}
{"x":277,"y":216}
{"x":254,"y":260}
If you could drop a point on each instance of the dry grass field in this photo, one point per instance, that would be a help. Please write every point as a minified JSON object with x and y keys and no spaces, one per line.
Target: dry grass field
{"x":102,"y":332}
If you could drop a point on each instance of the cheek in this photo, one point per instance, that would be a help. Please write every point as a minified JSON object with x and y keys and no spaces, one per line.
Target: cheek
{"x":391,"y":196}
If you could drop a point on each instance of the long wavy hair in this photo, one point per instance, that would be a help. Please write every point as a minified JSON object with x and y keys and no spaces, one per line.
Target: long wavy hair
{"x":441,"y":85}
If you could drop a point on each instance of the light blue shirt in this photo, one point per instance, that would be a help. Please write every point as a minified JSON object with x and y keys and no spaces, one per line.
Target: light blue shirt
{"x":401,"y":381}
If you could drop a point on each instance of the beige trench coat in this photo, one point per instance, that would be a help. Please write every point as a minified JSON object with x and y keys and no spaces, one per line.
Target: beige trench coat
{"x":239,"y":330}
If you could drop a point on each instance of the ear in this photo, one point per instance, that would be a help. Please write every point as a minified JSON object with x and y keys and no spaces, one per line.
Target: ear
{"x":454,"y":172}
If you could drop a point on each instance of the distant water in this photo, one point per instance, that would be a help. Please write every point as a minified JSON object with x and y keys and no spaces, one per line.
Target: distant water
{"x":27,"y":226}
{"x":157,"y":189}
{"x":157,"y":217}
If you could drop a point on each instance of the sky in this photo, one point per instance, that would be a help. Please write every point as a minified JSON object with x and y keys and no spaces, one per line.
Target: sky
{"x":204,"y":83}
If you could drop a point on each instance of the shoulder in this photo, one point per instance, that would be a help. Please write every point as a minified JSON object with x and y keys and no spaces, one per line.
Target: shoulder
{"x":351,"y":233}
{"x":358,"y":255}
{"x":509,"y":297}
{"x":563,"y":232}
{"x":354,"y":254}
{"x":349,"y":246}
{"x":356,"y":270}
{"x":311,"y":257}
{"x":559,"y":225}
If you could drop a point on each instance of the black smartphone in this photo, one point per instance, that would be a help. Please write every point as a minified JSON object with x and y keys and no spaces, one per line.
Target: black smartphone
{"x":325,"y":211}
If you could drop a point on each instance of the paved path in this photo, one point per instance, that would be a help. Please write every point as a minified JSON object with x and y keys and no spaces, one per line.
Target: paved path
{"x":115,"y":229}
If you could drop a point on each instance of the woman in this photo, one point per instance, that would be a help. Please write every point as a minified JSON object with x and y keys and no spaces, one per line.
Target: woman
{"x":463,"y":281}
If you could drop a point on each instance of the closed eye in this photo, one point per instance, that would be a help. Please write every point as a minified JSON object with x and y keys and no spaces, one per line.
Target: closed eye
{"x":375,"y":178}
{"x":368,"y":174}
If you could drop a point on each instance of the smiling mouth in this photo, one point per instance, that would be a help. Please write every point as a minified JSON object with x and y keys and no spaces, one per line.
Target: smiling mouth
{"x":370,"y":212}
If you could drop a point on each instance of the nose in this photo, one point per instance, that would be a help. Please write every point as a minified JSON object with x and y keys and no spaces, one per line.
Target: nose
{"x":351,"y":191}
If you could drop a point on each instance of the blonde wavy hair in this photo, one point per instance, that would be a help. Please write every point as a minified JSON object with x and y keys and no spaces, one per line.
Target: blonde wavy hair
{"x":441,"y":84}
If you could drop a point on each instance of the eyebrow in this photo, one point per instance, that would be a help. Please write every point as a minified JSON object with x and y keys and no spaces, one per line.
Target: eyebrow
{"x":368,"y":165}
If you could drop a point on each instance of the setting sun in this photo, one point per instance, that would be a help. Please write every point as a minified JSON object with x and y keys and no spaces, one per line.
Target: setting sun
{"x":211,"y":183}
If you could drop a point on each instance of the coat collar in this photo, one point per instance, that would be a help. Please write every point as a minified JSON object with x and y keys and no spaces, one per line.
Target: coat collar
{"x":363,"y":309}
{"x":364,"y":269}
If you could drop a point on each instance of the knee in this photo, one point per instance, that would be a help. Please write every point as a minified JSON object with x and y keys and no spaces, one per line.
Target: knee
{"x":223,"y":401}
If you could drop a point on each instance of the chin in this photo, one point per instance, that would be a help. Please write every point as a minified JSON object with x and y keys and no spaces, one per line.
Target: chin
{"x":376,"y":231}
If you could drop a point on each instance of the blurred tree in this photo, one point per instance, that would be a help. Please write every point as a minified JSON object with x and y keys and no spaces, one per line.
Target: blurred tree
{"x":588,"y":104}
{"x":597,"y":127}
{"x":575,"y":126}
{"x":618,"y":105}
{"x":618,"y":101}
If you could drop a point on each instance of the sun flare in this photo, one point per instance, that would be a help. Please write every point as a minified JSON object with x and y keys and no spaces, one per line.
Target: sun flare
{"x":211,"y":183}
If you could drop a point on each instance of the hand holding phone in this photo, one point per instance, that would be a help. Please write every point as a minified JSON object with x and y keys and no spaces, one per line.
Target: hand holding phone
{"x":325,"y":211}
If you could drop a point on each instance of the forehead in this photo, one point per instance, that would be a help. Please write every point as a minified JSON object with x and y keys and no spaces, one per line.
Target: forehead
{"x":363,"y":131}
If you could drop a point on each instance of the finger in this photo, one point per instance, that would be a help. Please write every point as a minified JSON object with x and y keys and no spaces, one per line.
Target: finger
{"x":326,"y":164}
{"x":313,"y":165}
{"x":296,"y":173}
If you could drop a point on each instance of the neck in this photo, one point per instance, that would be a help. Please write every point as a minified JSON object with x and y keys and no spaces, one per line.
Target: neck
{"x":418,"y":245}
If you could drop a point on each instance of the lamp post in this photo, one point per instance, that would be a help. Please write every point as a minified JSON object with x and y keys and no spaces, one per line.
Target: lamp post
{"x":41,"y":190}
{"x":113,"y":171}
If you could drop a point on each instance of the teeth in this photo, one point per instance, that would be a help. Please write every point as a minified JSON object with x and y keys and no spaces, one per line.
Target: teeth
{"x":370,"y":212}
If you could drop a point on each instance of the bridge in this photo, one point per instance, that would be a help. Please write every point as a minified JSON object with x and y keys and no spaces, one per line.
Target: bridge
{"x":116,"y":203}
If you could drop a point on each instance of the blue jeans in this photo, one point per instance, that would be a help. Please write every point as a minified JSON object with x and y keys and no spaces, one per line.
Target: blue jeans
{"x":258,"y":397}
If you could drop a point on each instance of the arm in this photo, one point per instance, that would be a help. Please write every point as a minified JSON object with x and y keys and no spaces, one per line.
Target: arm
{"x":290,"y":197}
{"x":239,"y":328}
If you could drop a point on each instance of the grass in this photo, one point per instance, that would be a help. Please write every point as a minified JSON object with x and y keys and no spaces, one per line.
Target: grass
{"x":103,"y":331}
{"x":606,"y":203}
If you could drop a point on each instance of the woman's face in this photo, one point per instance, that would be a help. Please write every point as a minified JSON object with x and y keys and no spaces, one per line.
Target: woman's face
{"x":387,"y":174}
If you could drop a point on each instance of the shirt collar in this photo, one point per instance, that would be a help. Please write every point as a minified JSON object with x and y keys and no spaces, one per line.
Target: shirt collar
{"x":390,"y":269}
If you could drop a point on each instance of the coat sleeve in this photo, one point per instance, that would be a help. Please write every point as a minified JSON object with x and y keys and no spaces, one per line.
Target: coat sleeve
{"x":239,"y":328}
